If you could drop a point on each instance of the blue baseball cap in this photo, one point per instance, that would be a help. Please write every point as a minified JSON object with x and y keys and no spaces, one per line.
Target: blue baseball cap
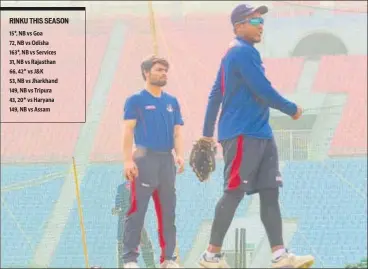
{"x":243,"y":10}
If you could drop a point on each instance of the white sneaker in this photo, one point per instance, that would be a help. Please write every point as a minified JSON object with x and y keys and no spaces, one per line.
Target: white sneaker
{"x":218,"y":261}
{"x":131,"y":265}
{"x":289,"y":260}
{"x":169,"y":264}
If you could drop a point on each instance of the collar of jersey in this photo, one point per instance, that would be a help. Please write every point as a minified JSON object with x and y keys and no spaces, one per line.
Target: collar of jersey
{"x":149,"y":94}
{"x":243,"y":41}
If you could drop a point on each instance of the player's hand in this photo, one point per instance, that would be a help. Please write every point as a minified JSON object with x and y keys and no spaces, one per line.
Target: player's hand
{"x":130,"y":170}
{"x":298,"y":113}
{"x":180,"y":164}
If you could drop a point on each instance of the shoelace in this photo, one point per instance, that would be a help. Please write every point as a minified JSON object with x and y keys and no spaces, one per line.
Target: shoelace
{"x":216,"y":258}
{"x":285,"y":254}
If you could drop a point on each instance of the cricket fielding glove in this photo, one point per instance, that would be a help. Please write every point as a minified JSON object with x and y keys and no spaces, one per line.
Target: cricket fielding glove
{"x":203,"y":158}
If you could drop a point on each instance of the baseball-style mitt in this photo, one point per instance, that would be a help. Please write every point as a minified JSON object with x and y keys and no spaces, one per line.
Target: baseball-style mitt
{"x":202,"y":158}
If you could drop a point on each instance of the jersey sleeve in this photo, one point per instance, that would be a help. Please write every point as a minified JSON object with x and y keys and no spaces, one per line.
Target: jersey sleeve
{"x":213,"y":106}
{"x":250,"y":68}
{"x":131,"y":109}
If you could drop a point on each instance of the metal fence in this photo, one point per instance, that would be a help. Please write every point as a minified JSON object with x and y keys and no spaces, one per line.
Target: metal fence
{"x":293,"y":145}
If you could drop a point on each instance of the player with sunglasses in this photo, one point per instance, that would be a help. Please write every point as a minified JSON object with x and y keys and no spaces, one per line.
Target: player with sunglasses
{"x":249,"y":148}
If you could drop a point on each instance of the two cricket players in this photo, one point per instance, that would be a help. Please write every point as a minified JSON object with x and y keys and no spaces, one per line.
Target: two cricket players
{"x":249,"y":148}
{"x":152,"y":118}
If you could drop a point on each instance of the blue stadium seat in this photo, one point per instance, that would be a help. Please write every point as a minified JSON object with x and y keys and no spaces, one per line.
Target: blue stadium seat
{"x":25,"y":207}
{"x":325,"y":197}
{"x":331,"y":211}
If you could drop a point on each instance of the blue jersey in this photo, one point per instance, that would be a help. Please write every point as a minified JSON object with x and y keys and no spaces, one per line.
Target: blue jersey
{"x":156,"y":118}
{"x":245,"y":96}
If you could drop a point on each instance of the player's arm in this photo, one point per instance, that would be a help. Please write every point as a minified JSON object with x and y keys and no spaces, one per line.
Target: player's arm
{"x":178,"y":135}
{"x":213,"y":107}
{"x":178,"y":138}
{"x":128,"y":140}
{"x":130,"y":121}
{"x":178,"y":141}
{"x":252,"y":73}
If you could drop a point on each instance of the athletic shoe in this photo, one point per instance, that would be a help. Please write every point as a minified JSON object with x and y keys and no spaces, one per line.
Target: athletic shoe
{"x":289,"y":260}
{"x":169,"y":264}
{"x":131,"y":265}
{"x":218,"y":261}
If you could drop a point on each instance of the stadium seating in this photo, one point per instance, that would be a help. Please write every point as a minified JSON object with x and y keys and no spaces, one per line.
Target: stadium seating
{"x":330,"y":204}
{"x":327,"y":199}
{"x":348,"y":8}
{"x":284,"y":73}
{"x":27,"y":197}
{"x":101,"y":225}
{"x":347,"y":74}
{"x":341,"y":73}
{"x":296,"y":9}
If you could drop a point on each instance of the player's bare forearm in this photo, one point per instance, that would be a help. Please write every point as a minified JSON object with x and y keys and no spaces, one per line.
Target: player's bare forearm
{"x":128,"y":147}
{"x":178,"y":141}
{"x":128,"y":141}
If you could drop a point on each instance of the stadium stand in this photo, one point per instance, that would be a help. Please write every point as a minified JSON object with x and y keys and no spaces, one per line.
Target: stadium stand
{"x":27,"y":197}
{"x":284,"y":74}
{"x":327,"y":198}
{"x":307,"y":183}
{"x":283,"y":10}
{"x":346,"y":74}
{"x":342,"y":73}
{"x":316,"y":193}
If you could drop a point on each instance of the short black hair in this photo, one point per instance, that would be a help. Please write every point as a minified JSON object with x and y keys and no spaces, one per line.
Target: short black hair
{"x":148,"y":63}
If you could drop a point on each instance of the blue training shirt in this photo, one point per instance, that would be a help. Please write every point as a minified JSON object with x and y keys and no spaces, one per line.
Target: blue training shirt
{"x":246,"y":96}
{"x":156,"y":118}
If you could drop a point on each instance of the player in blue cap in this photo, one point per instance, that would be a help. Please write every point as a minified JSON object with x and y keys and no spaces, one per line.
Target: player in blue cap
{"x":249,"y":148}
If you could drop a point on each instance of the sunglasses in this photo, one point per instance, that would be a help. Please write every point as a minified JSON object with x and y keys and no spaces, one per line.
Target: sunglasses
{"x":253,"y":21}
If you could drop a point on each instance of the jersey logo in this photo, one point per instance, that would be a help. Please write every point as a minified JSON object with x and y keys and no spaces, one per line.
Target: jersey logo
{"x":170,"y":108}
{"x":150,"y":107}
